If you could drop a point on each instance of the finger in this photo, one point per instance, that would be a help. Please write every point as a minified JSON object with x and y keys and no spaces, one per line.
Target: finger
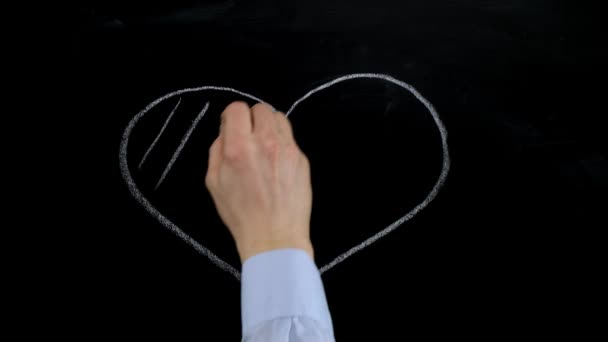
{"x":265,"y":122}
{"x":236,"y":123}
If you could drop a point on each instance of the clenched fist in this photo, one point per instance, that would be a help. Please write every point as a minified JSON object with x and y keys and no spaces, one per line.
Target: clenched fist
{"x":259,"y":180}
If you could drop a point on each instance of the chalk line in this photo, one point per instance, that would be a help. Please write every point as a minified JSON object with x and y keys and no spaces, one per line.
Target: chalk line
{"x":136,"y":193}
{"x":181,"y":145}
{"x":159,"y":134}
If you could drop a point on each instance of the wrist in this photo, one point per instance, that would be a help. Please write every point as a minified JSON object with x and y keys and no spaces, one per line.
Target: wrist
{"x":249,"y":249}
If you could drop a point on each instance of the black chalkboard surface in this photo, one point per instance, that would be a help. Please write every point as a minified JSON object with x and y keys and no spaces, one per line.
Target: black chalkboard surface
{"x":507,"y":80}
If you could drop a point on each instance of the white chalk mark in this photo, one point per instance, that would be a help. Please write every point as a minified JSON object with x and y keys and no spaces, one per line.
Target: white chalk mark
{"x":221,"y":263}
{"x":181,"y":145}
{"x":159,"y":134}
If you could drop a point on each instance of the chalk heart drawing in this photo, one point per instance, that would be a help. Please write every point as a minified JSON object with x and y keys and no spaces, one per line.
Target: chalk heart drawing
{"x":137,"y":194}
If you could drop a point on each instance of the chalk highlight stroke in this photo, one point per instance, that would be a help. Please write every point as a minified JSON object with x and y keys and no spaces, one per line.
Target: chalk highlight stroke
{"x":136,"y":193}
{"x":182,"y":144}
{"x":143,"y":159}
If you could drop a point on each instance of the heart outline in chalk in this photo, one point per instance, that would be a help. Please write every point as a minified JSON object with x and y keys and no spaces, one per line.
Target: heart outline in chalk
{"x":136,"y":193}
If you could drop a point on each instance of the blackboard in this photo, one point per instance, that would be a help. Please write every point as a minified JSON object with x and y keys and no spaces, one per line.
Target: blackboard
{"x":513,"y":82}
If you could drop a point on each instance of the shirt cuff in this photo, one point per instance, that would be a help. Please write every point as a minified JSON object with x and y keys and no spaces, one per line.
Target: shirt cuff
{"x":282,"y":283}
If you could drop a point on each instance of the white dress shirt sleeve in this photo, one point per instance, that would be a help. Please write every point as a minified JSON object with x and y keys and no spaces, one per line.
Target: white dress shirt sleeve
{"x":283,"y":299}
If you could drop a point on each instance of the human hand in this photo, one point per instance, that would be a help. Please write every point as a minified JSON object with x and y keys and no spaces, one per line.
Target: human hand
{"x":259,"y":180}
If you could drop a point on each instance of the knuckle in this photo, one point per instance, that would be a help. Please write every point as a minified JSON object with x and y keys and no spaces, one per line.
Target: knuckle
{"x":235,"y":153}
{"x":292,"y":150}
{"x":213,"y":147}
{"x":270,"y":143}
{"x":209,"y":180}
{"x":232,"y":154}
